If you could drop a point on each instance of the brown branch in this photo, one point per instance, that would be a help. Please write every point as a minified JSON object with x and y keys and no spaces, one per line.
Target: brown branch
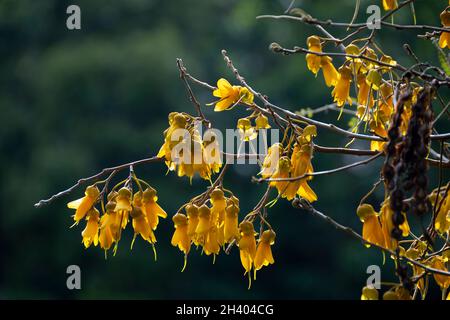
{"x":268,"y":105}
{"x":95,"y":177}
{"x":302,"y":204}
{"x":320,"y":173}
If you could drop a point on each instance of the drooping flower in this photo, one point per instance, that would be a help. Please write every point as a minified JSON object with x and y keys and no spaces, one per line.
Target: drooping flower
{"x":246,"y":131}
{"x":300,"y":166}
{"x":374,"y":79}
{"x":372,"y":230}
{"x":123,"y":206}
{"x":219,"y":204}
{"x":177,"y":121}
{"x":444,"y":39}
{"x":90,"y":233}
{"x":192,"y":214}
{"x":390,"y":4}
{"x":83,"y":205}
{"x":231,"y":228}
{"x":365,"y":96}
{"x":313,"y":61}
{"x":140,"y":223}
{"x":180,"y":236}
{"x":282,"y":171}
{"x":341,"y":92}
{"x":211,"y":245}
{"x":247,"y":245}
{"x":262,"y":122}
{"x":270,"y":162}
{"x":378,"y":128}
{"x":151,"y":208}
{"x":330,"y":74}
{"x":211,"y":151}
{"x":109,"y":228}
{"x":387,"y":226}
{"x":442,"y":220}
{"x":204,"y":224}
{"x":263,"y":256}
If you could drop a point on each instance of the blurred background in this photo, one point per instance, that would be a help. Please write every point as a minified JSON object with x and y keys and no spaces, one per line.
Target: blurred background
{"x":74,"y":102}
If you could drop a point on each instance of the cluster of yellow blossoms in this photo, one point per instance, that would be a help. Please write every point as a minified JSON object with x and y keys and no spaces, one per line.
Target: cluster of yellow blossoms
{"x":194,"y":154}
{"x":214,"y":226}
{"x":375,"y":102}
{"x":142,"y":208}
{"x":291,"y":172}
{"x":377,"y":229}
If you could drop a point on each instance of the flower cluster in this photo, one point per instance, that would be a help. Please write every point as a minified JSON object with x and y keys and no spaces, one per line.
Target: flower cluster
{"x":209,"y":227}
{"x":288,"y":168}
{"x":122,"y":205}
{"x":214,"y":224}
{"x":248,"y":131}
{"x":185,"y":150}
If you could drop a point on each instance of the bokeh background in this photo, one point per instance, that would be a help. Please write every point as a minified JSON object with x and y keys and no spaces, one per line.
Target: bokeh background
{"x":73,"y":102}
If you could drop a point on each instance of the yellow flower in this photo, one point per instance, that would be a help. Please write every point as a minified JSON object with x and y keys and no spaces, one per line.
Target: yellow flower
{"x":386,"y":103}
{"x":219,"y":204}
{"x":152,"y":210}
{"x":192,"y":214}
{"x":246,"y":131}
{"x":230,"y":95}
{"x":211,"y":244}
{"x":211,"y":152}
{"x":374,"y":79}
{"x":270,"y":162}
{"x":262,"y":122}
{"x":263,"y":256}
{"x":313,"y":61}
{"x":231,"y":229}
{"x":444,"y":39}
{"x":204,"y":224}
{"x":341,"y":91}
{"x":247,"y":245}
{"x":442,"y":221}
{"x":369,"y":293}
{"x":390,"y":4}
{"x":90,"y":233}
{"x":379,"y":130}
{"x":83,"y":205}
{"x":364,"y":92}
{"x":442,"y":280}
{"x":180,"y":237}
{"x":109,"y":229}
{"x":372,"y":230}
{"x":387,"y":225}
{"x":123,"y":206}
{"x":387,"y":60}
{"x":330,"y":74}
{"x":245,"y":95}
{"x":176,"y":121}
{"x":355,"y":63}
{"x":140,"y":222}
{"x":301,"y":165}
{"x":282,"y":171}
